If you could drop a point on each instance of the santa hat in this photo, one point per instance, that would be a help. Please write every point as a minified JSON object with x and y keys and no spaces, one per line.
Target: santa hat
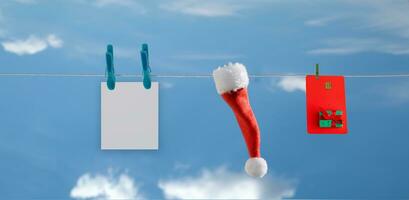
{"x":231,"y":83}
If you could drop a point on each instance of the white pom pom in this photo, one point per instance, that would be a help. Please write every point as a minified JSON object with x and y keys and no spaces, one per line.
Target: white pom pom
{"x":230,"y":77}
{"x":256,"y":167}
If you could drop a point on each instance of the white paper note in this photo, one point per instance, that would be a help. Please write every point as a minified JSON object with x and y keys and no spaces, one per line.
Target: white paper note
{"x":129,"y":116}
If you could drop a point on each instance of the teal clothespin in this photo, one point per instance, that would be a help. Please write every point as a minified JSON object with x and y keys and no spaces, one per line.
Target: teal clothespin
{"x":146,"y":69}
{"x":317,"y":71}
{"x":110,"y":71}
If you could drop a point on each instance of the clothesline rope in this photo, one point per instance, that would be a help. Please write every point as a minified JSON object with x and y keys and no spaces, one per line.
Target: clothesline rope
{"x":264,"y":75}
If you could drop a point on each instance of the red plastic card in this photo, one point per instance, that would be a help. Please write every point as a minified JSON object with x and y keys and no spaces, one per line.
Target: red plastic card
{"x":326,"y":105}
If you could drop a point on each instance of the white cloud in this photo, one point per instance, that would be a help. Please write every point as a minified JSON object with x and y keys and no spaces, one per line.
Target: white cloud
{"x":205,"y":8}
{"x":114,"y":2}
{"x":54,"y":41}
{"x":105,"y":187}
{"x":292,"y":84}
{"x":130,"y":4}
{"x":335,"y":51}
{"x":319,"y":21}
{"x":391,"y":16}
{"x":32,"y":44}
{"x":379,"y":15}
{"x":224,"y":184}
{"x":346,"y":46}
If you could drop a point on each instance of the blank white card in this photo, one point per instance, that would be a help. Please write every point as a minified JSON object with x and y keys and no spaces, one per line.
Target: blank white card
{"x":129,"y":116}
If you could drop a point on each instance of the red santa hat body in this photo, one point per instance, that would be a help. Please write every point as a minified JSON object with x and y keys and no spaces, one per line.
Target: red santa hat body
{"x":231,"y":83}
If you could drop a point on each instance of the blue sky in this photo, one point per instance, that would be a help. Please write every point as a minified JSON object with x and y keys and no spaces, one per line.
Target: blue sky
{"x":50,"y":137}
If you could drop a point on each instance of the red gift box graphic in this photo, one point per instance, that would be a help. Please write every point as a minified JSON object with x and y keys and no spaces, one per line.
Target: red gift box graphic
{"x":330,"y":119}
